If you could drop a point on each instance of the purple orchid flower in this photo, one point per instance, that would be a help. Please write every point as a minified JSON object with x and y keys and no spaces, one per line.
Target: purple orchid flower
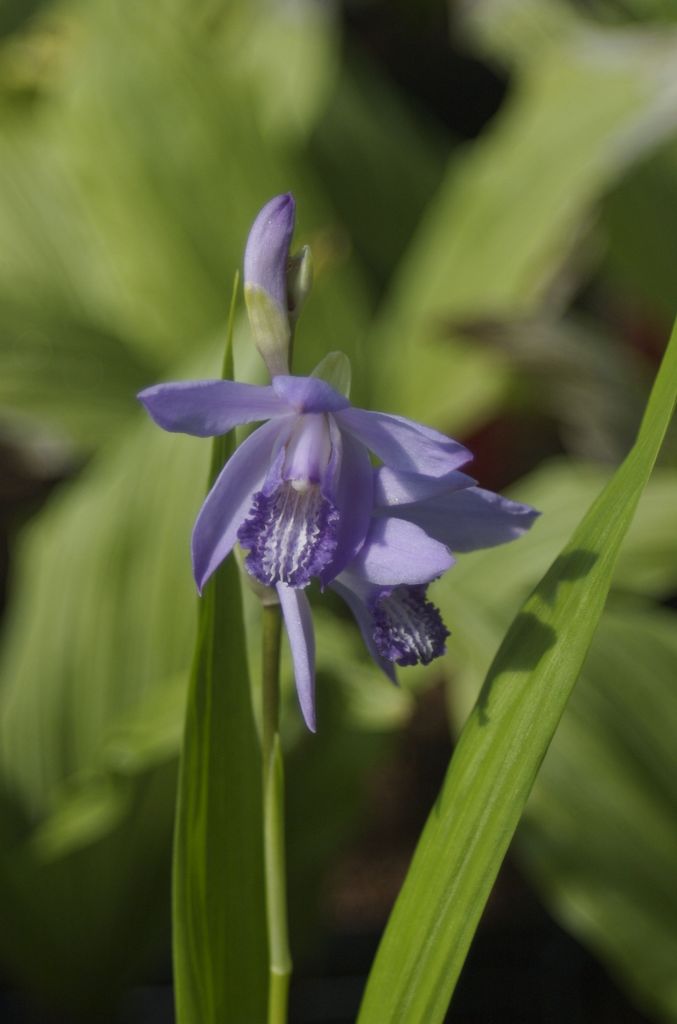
{"x":300,"y":494}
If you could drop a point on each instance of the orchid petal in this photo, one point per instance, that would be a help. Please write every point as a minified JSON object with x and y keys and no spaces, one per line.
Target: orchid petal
{"x":358,"y":606}
{"x":309,"y":394}
{"x":206,"y":408}
{"x":229,"y":500}
{"x":403,"y":444}
{"x":299,"y":624}
{"x":394,"y":488}
{"x":470,"y":519}
{"x":353,"y":499}
{"x":397,"y":551}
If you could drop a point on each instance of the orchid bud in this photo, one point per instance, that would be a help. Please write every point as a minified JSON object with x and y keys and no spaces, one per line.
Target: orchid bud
{"x":266,"y":262}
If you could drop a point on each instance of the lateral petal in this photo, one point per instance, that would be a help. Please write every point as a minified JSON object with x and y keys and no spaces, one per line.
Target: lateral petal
{"x":397,"y":551}
{"x":403,"y":444}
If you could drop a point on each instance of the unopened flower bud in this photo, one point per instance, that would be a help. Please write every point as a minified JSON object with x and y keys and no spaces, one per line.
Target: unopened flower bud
{"x":266,"y":263}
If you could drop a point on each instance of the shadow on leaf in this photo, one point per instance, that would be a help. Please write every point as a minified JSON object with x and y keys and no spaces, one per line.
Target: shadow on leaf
{"x":529,"y":637}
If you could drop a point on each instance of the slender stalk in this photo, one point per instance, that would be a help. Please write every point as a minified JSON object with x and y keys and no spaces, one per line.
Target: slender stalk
{"x":270,"y":644}
{"x":279,"y":959}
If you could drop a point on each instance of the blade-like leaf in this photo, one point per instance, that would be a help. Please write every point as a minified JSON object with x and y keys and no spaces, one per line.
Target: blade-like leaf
{"x":219,"y":931}
{"x":503,"y":744}
{"x":600,"y":829}
{"x":481,"y":596}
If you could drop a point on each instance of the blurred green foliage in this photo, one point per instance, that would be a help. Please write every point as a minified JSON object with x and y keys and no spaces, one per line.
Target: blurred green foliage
{"x":515,"y":271}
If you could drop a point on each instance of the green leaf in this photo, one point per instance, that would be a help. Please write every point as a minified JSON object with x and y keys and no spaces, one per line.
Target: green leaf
{"x":481,"y":596}
{"x":219,"y":928}
{"x":502,"y":746}
{"x":600,"y":829}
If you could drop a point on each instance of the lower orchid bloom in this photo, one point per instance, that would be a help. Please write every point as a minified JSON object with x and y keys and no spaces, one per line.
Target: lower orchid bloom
{"x":398,"y":623}
{"x":416,"y":521}
{"x":397,"y":558}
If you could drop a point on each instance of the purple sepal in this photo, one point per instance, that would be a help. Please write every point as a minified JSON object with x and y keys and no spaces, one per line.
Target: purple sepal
{"x":267,"y":251}
{"x":207,"y":408}
{"x":471,"y":518}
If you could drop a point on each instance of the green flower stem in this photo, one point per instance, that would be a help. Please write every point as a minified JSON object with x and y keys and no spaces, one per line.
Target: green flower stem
{"x":279,"y":959}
